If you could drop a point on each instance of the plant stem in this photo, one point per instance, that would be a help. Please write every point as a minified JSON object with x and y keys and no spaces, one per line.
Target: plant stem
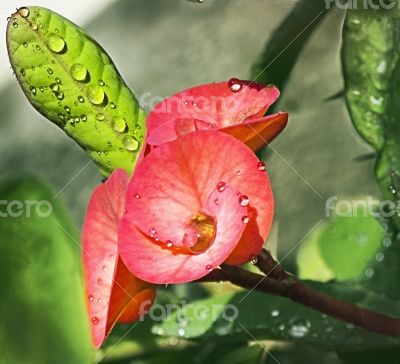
{"x":278,"y":282}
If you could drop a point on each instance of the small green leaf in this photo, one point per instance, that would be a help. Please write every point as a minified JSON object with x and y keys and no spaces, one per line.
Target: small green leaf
{"x":42,"y":308}
{"x":71,"y":80}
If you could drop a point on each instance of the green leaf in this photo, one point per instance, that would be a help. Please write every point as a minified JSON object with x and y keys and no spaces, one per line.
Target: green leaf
{"x":287,"y":41}
{"x":344,"y":246}
{"x":71,"y":80}
{"x":370,"y":57}
{"x":42,"y":308}
{"x":261,"y":316}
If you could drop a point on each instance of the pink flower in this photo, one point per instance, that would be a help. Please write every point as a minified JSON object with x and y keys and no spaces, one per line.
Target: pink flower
{"x":235,"y":107}
{"x":193,"y":204}
{"x":113,"y":294}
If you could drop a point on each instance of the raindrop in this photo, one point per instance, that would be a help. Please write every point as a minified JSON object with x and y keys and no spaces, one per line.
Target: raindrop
{"x":38,"y":48}
{"x":245,"y":219}
{"x":58,"y":80}
{"x":112,"y":105}
{"x":209,"y":267}
{"x":101,"y":83}
{"x":55,"y":43}
{"x":235,"y":85}
{"x":392,"y":189}
{"x":83,"y":117}
{"x":15,"y":24}
{"x":244,"y":200}
{"x":254,"y":260}
{"x":130,"y":143}
{"x":369,"y":272}
{"x":152,"y":231}
{"x":100,"y":117}
{"x":299,"y":329}
{"x":91,"y":298}
{"x":23,"y":72}
{"x":169,"y":244}
{"x":33,"y":90}
{"x":41,"y":88}
{"x":271,"y":85}
{"x":25,"y":44}
{"x":100,"y":281}
{"x":118,"y":124}
{"x":79,"y":72}
{"x":49,"y":71}
{"x":387,"y":242}
{"x":239,"y":172}
{"x":137,"y":196}
{"x":275,"y":313}
{"x":221,"y":186}
{"x":95,"y":320}
{"x":200,"y":233}
{"x":181,"y":331}
{"x":34,"y":26}
{"x":24,"y":12}
{"x":67,"y":109}
{"x":81,"y":99}
{"x":96,"y":95}
{"x":216,"y":201}
{"x":379,"y":257}
{"x":261,"y":166}
{"x":33,"y":68}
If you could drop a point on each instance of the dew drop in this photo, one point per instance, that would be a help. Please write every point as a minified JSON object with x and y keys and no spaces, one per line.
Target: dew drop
{"x":216,"y":201}
{"x":152,"y":231}
{"x":209,"y":267}
{"x":169,"y":244}
{"x":275,"y":313}
{"x":379,"y":257}
{"x":100,"y":117}
{"x":34,"y":26}
{"x":235,"y":85}
{"x":369,"y":272}
{"x":100,"y":281}
{"x":49,"y":71}
{"x":91,"y":298}
{"x":261,"y":166}
{"x":96,"y":95}
{"x":221,"y":186}
{"x":33,"y":90}
{"x":15,"y":24}
{"x":83,"y":117}
{"x":254,"y":260}
{"x":25,"y":44}
{"x":58,"y":80}
{"x":101,"y":83}
{"x":95,"y":320}
{"x":392,"y":189}
{"x":299,"y":329}
{"x":239,"y":172}
{"x":137,"y":196}
{"x":41,"y":88}
{"x":38,"y":48}
{"x":245,"y":219}
{"x":244,"y":200}
{"x":79,"y":72}
{"x":23,"y":72}
{"x":24,"y":12}
{"x":118,"y":124}
{"x":130,"y":143}
{"x":55,"y":43}
{"x":81,"y":99}
{"x":67,"y":109}
{"x":181,"y":331}
{"x":112,"y":105}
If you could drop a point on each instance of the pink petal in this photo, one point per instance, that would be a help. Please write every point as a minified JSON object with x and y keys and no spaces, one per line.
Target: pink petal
{"x":177,"y":180}
{"x":214,"y":104}
{"x":100,"y":258}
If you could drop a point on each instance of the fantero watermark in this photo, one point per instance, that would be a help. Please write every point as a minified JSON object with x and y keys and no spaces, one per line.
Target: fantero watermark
{"x":177,"y":312}
{"x":25,"y":208}
{"x":365,"y":207}
{"x":362,"y":4}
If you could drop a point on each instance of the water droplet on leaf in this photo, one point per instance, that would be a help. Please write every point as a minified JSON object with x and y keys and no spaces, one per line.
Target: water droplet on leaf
{"x":79,"y":72}
{"x":55,"y":43}
{"x":118,"y":124}
{"x":130,"y":143}
{"x":96,"y":95}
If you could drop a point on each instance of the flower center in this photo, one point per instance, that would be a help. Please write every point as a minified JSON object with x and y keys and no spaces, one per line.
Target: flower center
{"x":200,"y":233}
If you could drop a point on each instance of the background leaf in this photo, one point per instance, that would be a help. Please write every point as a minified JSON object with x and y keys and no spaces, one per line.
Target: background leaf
{"x":370,"y":57}
{"x":72,"y":81}
{"x":42,"y":309}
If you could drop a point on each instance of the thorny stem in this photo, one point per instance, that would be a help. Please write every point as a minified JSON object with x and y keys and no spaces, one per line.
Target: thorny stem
{"x":278,"y":282}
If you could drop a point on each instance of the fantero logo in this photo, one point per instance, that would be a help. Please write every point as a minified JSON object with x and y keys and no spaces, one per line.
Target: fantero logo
{"x":361,"y":4}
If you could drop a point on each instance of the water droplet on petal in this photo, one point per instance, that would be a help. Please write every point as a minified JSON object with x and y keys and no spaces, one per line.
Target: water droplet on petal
{"x":254,"y":260}
{"x":91,"y":298}
{"x":55,"y":43}
{"x":118,"y":124}
{"x":244,"y":200}
{"x":95,"y":320}
{"x":79,"y":72}
{"x":100,"y":281}
{"x":221,"y":186}
{"x":130,"y":143}
{"x":245,"y":219}
{"x":261,"y":166}
{"x":137,"y":196}
{"x":209,"y":267}
{"x":152,"y":231}
{"x":200,"y":233}
{"x":216,"y":201}
{"x":169,"y":244}
{"x":239,"y":172}
{"x":235,"y":85}
{"x":271,"y":85}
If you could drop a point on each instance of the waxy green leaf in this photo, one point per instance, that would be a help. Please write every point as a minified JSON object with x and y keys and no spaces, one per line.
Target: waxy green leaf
{"x":71,"y":80}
